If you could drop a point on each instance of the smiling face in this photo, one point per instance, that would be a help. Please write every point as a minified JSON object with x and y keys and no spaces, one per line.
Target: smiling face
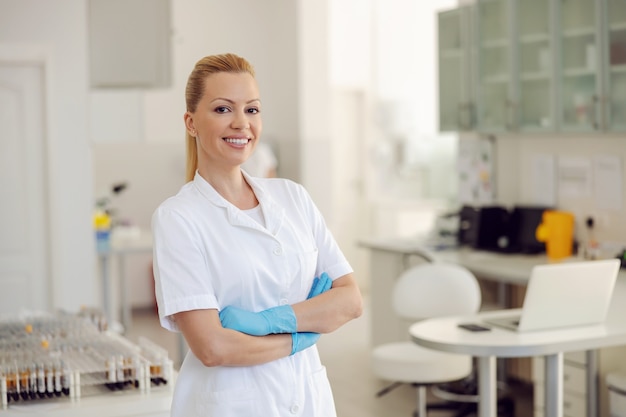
{"x":226,"y":122}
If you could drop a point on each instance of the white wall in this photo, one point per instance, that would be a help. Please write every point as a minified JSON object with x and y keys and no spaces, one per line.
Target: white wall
{"x":57,"y":29}
{"x":514,"y":171}
{"x":267,"y":33}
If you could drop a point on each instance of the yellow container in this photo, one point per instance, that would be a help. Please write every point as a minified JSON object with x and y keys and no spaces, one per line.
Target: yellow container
{"x":557,"y":231}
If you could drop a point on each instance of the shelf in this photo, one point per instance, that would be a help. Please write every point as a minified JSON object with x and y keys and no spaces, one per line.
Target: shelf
{"x":578,"y":72}
{"x":537,"y":127}
{"x":579,"y":32}
{"x":451,"y":53}
{"x":535,"y":76}
{"x":534,"y":38}
{"x":618,"y":69}
{"x":617,"y":26}
{"x":496,"y":79}
{"x":495,"y":43}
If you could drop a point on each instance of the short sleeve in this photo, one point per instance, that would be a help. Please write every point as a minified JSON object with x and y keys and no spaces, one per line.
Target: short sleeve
{"x":182,"y":281}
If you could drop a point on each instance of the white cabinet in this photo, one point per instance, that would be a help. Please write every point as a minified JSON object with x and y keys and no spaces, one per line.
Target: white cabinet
{"x":533,"y":48}
{"x":457,"y":107}
{"x":580,"y":82}
{"x":615,"y":70}
{"x":494,"y":72}
{"x":538,"y":66}
{"x":515,"y":66}
{"x":576,"y":369}
{"x":592,"y":58}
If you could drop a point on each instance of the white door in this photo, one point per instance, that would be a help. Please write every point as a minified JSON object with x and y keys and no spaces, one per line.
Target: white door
{"x":24,"y":236}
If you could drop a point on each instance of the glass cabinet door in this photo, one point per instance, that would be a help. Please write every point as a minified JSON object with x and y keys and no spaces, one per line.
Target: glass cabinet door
{"x":456,"y":106}
{"x":494,"y":66}
{"x":580,"y":63}
{"x":616,"y":67}
{"x":534,"y":52}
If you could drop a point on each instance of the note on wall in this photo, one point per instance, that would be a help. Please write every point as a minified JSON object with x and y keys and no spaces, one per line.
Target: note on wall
{"x":574,"y":176}
{"x":543,"y":182}
{"x":475,"y":170}
{"x":607,"y":170}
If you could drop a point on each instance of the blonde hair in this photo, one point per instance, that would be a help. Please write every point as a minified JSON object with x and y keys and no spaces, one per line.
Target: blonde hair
{"x":194,"y":91}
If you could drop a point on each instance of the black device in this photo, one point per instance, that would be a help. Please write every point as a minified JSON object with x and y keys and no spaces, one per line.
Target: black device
{"x":622,"y":258}
{"x":523,"y":223}
{"x":483,"y":227}
{"x":473,"y":327}
{"x":499,"y":229}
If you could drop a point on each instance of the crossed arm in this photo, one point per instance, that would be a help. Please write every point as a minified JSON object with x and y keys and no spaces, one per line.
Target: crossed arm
{"x":215,"y":345}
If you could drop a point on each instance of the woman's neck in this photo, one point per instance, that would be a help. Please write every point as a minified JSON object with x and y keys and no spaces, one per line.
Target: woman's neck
{"x":233,"y":187}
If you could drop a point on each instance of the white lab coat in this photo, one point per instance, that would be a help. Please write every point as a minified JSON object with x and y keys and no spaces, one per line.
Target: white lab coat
{"x":208,"y":254}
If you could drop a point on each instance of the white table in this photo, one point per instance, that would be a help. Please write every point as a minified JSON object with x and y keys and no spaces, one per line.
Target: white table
{"x":156,"y":403}
{"x":121,"y":247}
{"x":443,"y":334}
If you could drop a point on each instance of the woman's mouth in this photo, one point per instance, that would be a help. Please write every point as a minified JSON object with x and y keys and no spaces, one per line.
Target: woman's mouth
{"x":237,"y":141}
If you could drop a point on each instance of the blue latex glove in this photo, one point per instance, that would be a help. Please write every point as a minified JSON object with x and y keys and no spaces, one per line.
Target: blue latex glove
{"x":303,"y":340}
{"x":320,"y":285}
{"x":279,"y":319}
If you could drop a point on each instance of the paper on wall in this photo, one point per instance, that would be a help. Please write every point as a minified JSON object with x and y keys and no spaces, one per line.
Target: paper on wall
{"x":543,"y":182}
{"x":574,"y":176}
{"x":607,"y":170}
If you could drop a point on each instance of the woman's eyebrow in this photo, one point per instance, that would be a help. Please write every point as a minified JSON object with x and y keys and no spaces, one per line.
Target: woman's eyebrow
{"x":232,"y":101}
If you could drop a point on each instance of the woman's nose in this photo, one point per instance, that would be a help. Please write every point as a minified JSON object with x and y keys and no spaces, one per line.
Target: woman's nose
{"x":240,"y":121}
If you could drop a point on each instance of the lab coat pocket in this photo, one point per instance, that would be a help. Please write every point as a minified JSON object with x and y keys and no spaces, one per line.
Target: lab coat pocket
{"x":322,"y":396}
{"x":303,"y":277}
{"x":230,"y":393}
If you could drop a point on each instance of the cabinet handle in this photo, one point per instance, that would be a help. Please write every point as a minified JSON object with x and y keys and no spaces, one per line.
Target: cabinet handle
{"x":465,"y":116}
{"x":604,"y":106}
{"x":510,"y":106}
{"x":459,"y":116}
{"x":594,"y":112}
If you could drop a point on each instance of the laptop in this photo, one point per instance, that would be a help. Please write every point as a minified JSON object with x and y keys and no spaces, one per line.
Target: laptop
{"x":564,"y":295}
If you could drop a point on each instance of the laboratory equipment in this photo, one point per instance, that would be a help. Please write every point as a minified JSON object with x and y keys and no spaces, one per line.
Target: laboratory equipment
{"x":65,"y":356}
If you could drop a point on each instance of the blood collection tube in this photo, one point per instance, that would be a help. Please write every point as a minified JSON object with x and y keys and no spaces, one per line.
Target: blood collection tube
{"x":32,"y":392}
{"x":41,"y":380}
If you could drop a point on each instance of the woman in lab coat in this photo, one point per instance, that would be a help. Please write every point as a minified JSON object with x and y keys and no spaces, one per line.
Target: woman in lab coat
{"x":245,"y":267}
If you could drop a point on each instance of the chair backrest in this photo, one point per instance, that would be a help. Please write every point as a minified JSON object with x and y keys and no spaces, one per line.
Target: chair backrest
{"x":434,"y":290}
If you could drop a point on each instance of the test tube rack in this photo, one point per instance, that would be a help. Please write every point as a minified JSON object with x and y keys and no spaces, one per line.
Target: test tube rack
{"x":63,"y":357}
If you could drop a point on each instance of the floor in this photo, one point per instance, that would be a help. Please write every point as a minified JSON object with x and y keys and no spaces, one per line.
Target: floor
{"x":346,"y":356}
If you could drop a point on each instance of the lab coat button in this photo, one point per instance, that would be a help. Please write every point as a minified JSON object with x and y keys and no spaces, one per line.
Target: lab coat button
{"x":278,"y":251}
{"x":284,"y":301}
{"x":294,"y":408}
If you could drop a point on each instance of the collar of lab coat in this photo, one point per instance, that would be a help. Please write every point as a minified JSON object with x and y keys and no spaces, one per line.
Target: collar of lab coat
{"x":272,"y":211}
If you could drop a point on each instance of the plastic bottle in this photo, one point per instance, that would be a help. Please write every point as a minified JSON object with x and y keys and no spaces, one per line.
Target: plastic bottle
{"x":102,"y":226}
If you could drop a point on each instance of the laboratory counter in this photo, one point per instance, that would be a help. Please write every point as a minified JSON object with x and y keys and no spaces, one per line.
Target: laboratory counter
{"x":390,"y":257}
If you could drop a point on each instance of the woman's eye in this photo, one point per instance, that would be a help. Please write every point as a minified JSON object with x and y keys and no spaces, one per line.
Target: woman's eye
{"x":253,"y":110}
{"x":221,"y":109}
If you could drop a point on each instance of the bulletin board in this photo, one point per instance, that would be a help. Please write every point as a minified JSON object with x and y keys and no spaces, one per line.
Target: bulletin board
{"x":476,"y":171}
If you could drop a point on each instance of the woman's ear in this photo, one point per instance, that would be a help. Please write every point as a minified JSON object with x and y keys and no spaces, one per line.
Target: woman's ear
{"x":189,"y":124}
